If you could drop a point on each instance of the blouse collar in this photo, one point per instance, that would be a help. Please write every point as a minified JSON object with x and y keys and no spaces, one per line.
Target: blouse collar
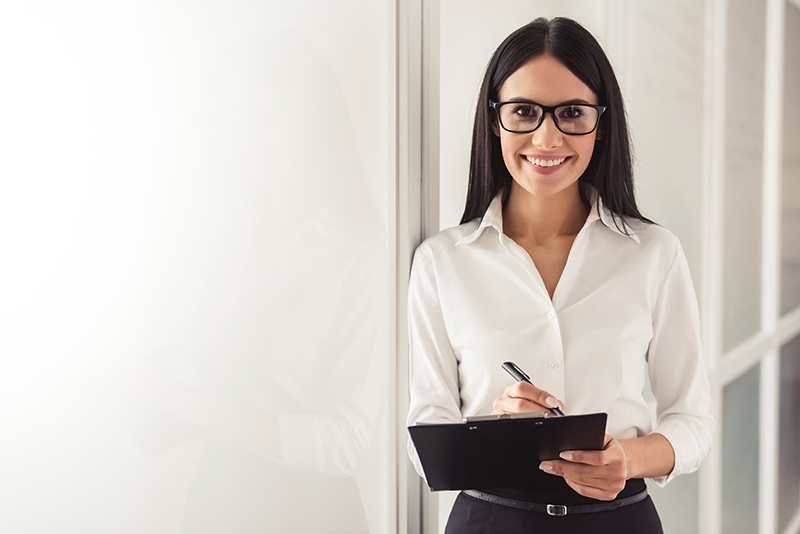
{"x":493,"y":218}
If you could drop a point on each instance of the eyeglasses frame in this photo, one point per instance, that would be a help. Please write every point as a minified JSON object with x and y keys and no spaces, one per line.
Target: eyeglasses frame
{"x":545,"y":110}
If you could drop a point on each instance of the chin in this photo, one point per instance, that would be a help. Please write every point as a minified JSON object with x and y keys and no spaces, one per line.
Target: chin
{"x":546,"y":188}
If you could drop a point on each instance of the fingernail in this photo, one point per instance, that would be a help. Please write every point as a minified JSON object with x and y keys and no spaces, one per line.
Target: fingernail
{"x":552,"y":402}
{"x":566,"y":456}
{"x":546,"y":467}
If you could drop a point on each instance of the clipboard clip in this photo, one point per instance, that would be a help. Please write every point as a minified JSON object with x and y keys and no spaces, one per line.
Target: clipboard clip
{"x":504,"y":416}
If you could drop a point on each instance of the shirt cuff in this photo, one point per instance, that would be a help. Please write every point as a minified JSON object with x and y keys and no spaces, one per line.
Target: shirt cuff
{"x":298,"y":448}
{"x":683,"y":441}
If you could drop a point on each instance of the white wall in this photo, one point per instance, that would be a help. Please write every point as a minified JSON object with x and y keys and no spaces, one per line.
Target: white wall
{"x":194,"y":326}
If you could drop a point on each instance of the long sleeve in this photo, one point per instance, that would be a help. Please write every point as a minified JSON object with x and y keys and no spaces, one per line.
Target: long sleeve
{"x":339,"y":405}
{"x":433,"y":367}
{"x":677,"y":372}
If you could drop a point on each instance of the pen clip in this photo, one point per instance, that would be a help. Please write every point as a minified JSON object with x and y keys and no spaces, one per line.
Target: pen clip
{"x":518,"y":374}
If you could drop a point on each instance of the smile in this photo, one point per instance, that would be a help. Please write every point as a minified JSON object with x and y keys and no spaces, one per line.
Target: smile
{"x":546,"y":162}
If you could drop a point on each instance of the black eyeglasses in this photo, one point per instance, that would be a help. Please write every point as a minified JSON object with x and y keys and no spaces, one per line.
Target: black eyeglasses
{"x":526,"y":117}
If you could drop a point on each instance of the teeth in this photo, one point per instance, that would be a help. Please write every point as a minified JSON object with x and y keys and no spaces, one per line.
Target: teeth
{"x":546,"y":162}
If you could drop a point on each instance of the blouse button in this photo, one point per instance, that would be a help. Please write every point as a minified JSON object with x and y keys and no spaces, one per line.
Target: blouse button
{"x":551,"y":314}
{"x":553,"y":365}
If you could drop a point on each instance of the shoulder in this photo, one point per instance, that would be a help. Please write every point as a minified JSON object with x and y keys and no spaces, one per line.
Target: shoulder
{"x":660,"y":255}
{"x":655,"y":239}
{"x":630,"y":235}
{"x":444,"y":243}
{"x":637,"y":245}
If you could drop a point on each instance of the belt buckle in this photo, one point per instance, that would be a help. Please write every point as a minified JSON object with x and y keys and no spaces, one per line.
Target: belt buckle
{"x":556,"y":509}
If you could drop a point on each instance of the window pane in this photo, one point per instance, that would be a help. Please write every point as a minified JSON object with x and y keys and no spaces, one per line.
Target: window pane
{"x":789,"y":457}
{"x":744,"y":117}
{"x":740,"y":454}
{"x":678,"y":503}
{"x":790,"y":195}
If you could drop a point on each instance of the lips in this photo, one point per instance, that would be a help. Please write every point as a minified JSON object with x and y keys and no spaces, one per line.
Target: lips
{"x":543,"y":162}
{"x":549,"y":165}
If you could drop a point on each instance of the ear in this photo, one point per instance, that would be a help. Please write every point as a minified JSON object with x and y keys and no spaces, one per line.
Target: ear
{"x":601,"y":130}
{"x":495,"y":125}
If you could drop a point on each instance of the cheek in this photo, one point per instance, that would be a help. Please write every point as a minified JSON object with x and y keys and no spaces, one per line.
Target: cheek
{"x":510,"y":147}
{"x":510,"y":159}
{"x":585,"y":149}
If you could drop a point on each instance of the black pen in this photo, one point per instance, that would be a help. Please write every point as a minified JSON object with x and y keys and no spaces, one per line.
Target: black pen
{"x":520,"y":376}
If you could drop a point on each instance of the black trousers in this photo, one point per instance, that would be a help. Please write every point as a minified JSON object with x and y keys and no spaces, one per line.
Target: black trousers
{"x":475,"y":516}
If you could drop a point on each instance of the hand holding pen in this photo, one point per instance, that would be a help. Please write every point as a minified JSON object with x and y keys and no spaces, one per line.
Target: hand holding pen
{"x":523,"y":396}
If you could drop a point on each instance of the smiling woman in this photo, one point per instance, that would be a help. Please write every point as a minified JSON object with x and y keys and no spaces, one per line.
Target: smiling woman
{"x":554,"y":267}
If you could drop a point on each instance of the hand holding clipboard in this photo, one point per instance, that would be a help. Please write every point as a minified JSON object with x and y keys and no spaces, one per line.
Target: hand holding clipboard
{"x":503,"y":451}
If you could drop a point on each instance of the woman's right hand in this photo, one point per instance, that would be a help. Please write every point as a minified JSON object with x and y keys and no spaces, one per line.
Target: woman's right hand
{"x":523,"y":397}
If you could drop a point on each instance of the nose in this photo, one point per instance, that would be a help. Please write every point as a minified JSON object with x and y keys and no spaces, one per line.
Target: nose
{"x":547,"y":135}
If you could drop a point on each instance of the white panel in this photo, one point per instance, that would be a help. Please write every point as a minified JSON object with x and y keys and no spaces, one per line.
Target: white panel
{"x":790,"y":197}
{"x":744,"y":131}
{"x":195,"y":278}
{"x":664,"y":76}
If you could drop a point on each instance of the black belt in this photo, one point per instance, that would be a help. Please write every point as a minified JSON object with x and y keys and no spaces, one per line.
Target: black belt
{"x":557,"y":509}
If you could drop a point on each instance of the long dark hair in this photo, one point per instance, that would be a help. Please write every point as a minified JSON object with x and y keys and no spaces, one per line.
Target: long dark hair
{"x":610,"y":170}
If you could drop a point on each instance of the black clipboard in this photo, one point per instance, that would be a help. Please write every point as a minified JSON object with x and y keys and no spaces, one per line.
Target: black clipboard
{"x":503,"y":453}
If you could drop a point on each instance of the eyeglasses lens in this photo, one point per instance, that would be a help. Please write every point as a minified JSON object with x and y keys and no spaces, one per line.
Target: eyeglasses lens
{"x":570,"y":119}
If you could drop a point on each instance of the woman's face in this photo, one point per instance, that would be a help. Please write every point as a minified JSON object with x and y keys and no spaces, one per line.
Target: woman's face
{"x":546,"y":161}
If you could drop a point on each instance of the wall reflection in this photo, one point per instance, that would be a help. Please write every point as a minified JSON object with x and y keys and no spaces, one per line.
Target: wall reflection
{"x":288,"y":366}
{"x":235,"y":378}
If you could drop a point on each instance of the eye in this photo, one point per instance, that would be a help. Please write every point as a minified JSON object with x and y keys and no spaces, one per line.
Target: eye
{"x":525,"y":111}
{"x":571,"y":112}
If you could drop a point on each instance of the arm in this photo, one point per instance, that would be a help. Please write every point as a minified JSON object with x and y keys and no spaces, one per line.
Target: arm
{"x":678,"y":375}
{"x":597,"y":474}
{"x":649,"y":456}
{"x":433,"y":367}
{"x":602,"y":474}
{"x":679,"y":381}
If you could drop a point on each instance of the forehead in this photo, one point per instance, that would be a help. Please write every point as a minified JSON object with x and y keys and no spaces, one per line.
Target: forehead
{"x":547,"y":81}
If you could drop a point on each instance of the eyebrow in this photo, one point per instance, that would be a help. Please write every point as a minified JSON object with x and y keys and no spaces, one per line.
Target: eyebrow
{"x":565,"y":103}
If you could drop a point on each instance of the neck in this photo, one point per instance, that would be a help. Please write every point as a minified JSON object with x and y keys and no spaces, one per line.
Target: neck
{"x":542,"y":219}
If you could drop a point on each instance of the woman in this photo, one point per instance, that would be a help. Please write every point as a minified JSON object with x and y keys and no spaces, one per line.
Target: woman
{"x":555,"y":268}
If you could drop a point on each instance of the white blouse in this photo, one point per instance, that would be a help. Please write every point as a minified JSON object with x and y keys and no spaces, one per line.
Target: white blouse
{"x":624,"y":306}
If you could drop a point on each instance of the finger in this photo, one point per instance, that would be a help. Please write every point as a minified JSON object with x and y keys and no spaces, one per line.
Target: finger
{"x":526,"y":390}
{"x":506,"y":404}
{"x":596,"y":458}
{"x":593,"y":476}
{"x":594,"y":493}
{"x":577,"y":472}
{"x":612,"y":453}
{"x":612,"y":487}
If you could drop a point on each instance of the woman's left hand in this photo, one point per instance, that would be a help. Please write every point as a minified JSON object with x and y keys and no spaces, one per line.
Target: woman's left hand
{"x":596,"y":474}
